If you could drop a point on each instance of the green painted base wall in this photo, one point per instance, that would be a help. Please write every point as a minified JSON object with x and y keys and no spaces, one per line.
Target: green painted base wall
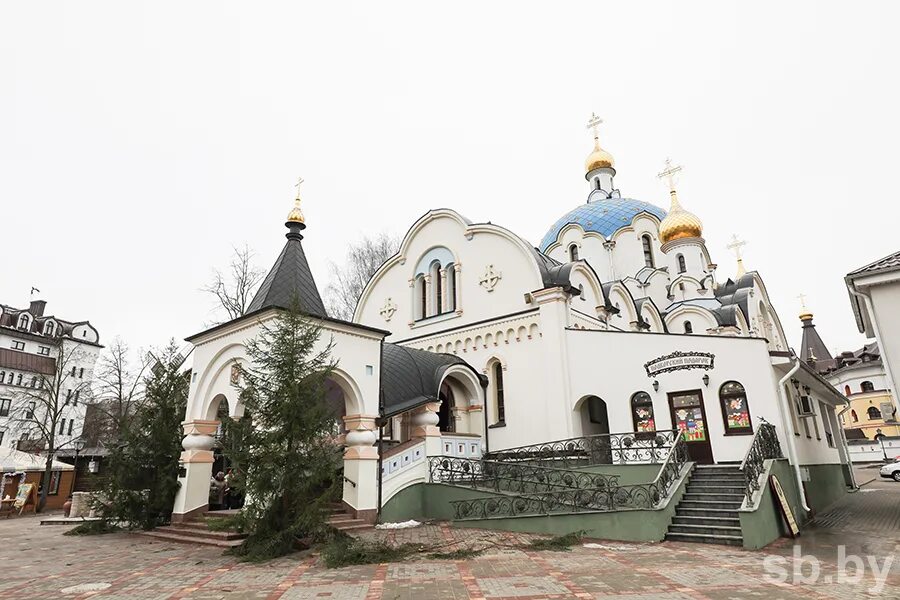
{"x":432,"y":501}
{"x":765,"y":525}
{"x":628,"y":474}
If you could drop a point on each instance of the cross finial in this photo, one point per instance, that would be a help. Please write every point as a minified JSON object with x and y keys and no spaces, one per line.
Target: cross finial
{"x":594,"y":123}
{"x":297,"y":185}
{"x":802,"y":298}
{"x":736,"y":244}
{"x":669,"y":173}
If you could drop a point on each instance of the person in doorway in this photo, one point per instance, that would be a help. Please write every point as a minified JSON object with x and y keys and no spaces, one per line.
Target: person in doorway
{"x":217,"y":492}
{"x":230,"y":491}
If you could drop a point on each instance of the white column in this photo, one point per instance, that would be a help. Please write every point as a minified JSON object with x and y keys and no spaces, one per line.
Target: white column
{"x":192,"y":497}
{"x":444,"y":293}
{"x":361,"y":466}
{"x":457,"y":289}
{"x":554,"y":314}
{"x":429,"y":297}
{"x":425,"y":425}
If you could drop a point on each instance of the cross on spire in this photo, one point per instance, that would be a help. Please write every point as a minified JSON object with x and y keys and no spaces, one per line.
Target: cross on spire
{"x":594,"y":123}
{"x":736,"y":244}
{"x":297,"y":185}
{"x":669,"y":173}
{"x":802,"y":298}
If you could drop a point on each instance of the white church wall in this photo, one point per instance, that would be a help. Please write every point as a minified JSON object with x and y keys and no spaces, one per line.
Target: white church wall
{"x":496,"y":270}
{"x":885,"y":300}
{"x":628,"y":254}
{"x":610,"y":365}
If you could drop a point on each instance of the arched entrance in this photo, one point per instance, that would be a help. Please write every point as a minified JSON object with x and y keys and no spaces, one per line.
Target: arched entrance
{"x":447,"y":412}
{"x":593,"y":416}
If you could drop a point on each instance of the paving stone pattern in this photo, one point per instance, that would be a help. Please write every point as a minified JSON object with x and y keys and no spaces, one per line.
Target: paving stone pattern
{"x":39,"y":562}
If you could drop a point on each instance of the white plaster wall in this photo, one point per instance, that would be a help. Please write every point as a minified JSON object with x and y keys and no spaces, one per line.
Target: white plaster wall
{"x":213,"y":357}
{"x":610,"y":365}
{"x":885,"y":302}
{"x":855,"y":376}
{"x":489,"y":245}
{"x":628,"y":255}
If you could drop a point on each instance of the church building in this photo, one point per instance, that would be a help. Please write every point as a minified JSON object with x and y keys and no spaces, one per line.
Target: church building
{"x":607,"y":379}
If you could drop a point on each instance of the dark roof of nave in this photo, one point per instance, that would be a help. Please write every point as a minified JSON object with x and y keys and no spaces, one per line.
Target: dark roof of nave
{"x":412,"y":377}
{"x":290,"y":279}
{"x":812,"y":346}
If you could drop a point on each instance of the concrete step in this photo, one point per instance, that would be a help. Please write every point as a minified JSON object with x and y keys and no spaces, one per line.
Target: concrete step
{"x":727,"y":540}
{"x":180,"y":529}
{"x":717,"y":480}
{"x":339,"y":517}
{"x":710,"y":504}
{"x":690,"y":497}
{"x":189,"y":539}
{"x":351,"y":525}
{"x":734,"y":521}
{"x":703,"y":488}
{"x":728,"y":531}
{"x":685,"y":511}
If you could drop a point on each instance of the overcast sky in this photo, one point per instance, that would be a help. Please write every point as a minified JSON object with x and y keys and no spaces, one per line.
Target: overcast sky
{"x":139,"y":143}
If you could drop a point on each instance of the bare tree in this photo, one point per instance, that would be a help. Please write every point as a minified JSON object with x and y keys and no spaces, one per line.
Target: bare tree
{"x":234,"y":290}
{"x":38,"y":410}
{"x":349,"y":280}
{"x":118,"y":394}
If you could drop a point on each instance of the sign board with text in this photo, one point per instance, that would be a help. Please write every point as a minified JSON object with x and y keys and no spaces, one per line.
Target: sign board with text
{"x":680,"y":361}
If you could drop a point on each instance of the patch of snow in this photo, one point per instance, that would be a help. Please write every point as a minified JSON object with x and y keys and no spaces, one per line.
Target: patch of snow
{"x":86,"y":587}
{"x":403,"y":525}
{"x":604,"y":547}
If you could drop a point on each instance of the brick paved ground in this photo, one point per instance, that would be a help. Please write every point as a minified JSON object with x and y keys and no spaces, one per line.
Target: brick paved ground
{"x":38,"y":562}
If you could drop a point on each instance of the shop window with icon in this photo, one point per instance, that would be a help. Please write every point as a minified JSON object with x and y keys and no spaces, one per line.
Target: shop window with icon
{"x":642,"y":412}
{"x":735,"y":409}
{"x":688,"y":416}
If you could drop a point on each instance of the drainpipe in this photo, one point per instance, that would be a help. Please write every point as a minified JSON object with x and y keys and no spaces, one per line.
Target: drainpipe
{"x":846,"y":445}
{"x":788,"y":434}
{"x":484,"y":411}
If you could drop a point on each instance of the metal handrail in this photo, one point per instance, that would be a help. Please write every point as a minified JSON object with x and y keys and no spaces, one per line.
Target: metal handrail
{"x":641,"y":496}
{"x":765,"y":445}
{"x":606,"y":448}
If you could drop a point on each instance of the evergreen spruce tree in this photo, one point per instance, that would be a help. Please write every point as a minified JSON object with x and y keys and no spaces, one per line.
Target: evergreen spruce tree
{"x":290,"y":455}
{"x":142,"y":467}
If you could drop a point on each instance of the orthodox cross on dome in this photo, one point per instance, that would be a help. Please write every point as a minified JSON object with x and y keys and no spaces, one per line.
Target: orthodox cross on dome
{"x":802,"y":298}
{"x":297,"y":185}
{"x":594,"y":123}
{"x":736,"y":244}
{"x":669,"y":173}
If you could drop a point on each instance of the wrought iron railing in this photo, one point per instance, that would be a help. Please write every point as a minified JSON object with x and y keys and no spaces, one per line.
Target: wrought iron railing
{"x":602,"y":449}
{"x":519,"y":478}
{"x":640,"y":496}
{"x":765,"y":445}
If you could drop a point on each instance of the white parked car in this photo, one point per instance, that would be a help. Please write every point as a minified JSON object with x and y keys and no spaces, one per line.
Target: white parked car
{"x":891,"y":471}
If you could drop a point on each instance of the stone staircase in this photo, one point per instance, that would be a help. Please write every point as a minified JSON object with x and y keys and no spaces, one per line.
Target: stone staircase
{"x":343,"y":521}
{"x":708,"y":510}
{"x":196,"y":531}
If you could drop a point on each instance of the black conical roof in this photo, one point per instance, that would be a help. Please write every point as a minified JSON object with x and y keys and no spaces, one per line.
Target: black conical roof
{"x":813,"y":348}
{"x":288,"y":279}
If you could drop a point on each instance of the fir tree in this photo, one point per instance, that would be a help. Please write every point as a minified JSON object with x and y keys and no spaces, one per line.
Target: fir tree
{"x":142,"y":467}
{"x":290,"y":454}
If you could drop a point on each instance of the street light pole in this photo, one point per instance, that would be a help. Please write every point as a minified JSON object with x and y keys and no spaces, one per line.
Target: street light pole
{"x":880,"y":437}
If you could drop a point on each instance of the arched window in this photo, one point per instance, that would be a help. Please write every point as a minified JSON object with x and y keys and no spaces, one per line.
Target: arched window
{"x":451,"y":287}
{"x":847,"y":391}
{"x":642,"y":412}
{"x":437,"y":287}
{"x":688,"y":328}
{"x":735,"y":410}
{"x":648,"y":250}
{"x":867,"y":386}
{"x":497,"y":372}
{"x":421,"y":298}
{"x":682,"y":267}
{"x":853,"y":416}
{"x":573,"y":252}
{"x":49,"y":328}
{"x":873,"y":413}
{"x":23,"y":321}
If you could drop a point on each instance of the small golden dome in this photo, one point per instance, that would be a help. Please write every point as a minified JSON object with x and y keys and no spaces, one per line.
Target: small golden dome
{"x":296,"y":215}
{"x":598,"y":159}
{"x":805,"y":315}
{"x":679,"y":223}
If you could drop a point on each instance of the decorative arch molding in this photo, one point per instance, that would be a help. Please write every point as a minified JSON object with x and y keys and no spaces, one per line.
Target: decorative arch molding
{"x":631,"y":228}
{"x":443,"y":255}
{"x":588,"y":272}
{"x":210,"y":378}
{"x":619,"y":293}
{"x":687,"y":279}
{"x":688,"y":310}
{"x":353,"y":404}
{"x":651,"y":315}
{"x":467,"y":229}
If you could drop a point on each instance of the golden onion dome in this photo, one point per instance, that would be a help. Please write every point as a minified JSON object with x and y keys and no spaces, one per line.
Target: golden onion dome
{"x":805,"y":315}
{"x":598,"y":159}
{"x":296,"y":215}
{"x":679,"y":223}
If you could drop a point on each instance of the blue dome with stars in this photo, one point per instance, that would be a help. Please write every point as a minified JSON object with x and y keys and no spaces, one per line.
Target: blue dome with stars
{"x":605,"y":217}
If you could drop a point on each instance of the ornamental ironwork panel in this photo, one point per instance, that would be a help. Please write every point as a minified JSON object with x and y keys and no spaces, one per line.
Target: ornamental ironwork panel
{"x":765,"y":446}
{"x":603,"y":449}
{"x":568,"y":499}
